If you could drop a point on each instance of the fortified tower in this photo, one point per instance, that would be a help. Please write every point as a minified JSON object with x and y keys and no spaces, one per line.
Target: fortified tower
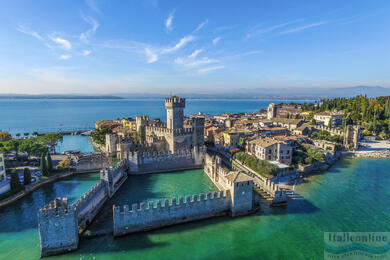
{"x":58,"y":227}
{"x":175,"y":116}
{"x":198,"y":135}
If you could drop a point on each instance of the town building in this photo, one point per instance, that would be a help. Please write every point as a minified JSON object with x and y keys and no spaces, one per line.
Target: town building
{"x":269,"y":149}
{"x":288,"y":123}
{"x":270,"y":131}
{"x":4,"y":183}
{"x":330,"y":119}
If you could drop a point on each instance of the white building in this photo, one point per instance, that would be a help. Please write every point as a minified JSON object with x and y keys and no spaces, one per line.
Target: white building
{"x":330,"y":119}
{"x":271,"y":150}
{"x":4,"y":183}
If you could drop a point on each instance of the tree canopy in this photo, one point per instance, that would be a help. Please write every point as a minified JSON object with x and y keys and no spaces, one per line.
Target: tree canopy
{"x":262,"y":167}
{"x":371,"y":113}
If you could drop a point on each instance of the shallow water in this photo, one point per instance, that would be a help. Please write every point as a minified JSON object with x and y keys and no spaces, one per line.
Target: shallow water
{"x":351,"y":196}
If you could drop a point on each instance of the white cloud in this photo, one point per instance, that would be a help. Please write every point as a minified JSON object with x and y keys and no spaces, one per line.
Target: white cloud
{"x":239,"y":55}
{"x":195,"y":53}
{"x":65,"y":57}
{"x":191,"y":63}
{"x":65,"y":44}
{"x":216,"y":40}
{"x":183,"y":41}
{"x":28,"y":31}
{"x":201,"y":25}
{"x":168,"y":23}
{"x":95,"y":25}
{"x":92,"y":5}
{"x":151,"y":56}
{"x":209,"y":69}
{"x":301,"y":28}
{"x":258,"y":32}
{"x":86,"y":52}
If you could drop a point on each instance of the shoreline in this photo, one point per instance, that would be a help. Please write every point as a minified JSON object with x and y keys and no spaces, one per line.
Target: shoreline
{"x":35,"y":186}
{"x":368,"y":154}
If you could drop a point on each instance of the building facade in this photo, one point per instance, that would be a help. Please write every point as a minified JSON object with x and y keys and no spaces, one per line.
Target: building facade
{"x":266,"y":148}
{"x":4,"y":183}
{"x":330,"y":119}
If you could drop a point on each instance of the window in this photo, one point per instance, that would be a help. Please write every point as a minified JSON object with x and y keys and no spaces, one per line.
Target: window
{"x":1,"y":168}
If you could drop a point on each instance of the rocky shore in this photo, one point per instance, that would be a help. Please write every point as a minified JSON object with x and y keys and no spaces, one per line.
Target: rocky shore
{"x":368,"y":154}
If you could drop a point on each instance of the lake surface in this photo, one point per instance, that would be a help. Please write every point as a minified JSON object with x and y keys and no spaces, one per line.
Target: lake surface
{"x":50,"y":115}
{"x":75,"y":142}
{"x":352,"y":196}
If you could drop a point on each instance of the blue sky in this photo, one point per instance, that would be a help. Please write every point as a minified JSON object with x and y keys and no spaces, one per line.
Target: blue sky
{"x":152,"y":46}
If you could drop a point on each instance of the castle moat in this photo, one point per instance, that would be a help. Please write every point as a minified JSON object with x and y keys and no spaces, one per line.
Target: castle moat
{"x":360,"y":187}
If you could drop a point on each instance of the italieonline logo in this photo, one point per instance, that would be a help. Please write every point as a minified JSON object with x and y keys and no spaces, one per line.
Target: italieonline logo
{"x":356,"y":245}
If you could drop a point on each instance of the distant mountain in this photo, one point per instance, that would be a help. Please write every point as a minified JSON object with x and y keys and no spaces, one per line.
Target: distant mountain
{"x":59,"y":96}
{"x":278,"y":93}
{"x":242,"y":93}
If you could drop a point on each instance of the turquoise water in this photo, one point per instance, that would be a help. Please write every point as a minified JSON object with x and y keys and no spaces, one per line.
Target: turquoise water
{"x":45,"y":115}
{"x":352,"y":196}
{"x":75,"y":142}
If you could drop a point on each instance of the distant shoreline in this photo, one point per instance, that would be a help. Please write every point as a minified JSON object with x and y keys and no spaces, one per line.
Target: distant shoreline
{"x":147,"y":98}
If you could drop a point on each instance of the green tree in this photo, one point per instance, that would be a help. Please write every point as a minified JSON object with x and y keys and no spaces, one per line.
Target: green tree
{"x":11,"y":146}
{"x":17,"y":134}
{"x":51,"y":140}
{"x":43,"y":165}
{"x":49,"y":163}
{"x":27,"y":176}
{"x":99,"y":135}
{"x":26,"y":134}
{"x":313,"y":121}
{"x":5,"y":136}
{"x":35,"y":133}
{"x":15,"y":181}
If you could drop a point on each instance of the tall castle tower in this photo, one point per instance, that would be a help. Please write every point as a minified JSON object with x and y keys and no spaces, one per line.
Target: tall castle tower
{"x":175,"y":116}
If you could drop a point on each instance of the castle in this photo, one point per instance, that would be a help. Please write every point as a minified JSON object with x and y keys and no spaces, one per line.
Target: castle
{"x":155,"y":136}
{"x":160,"y":147}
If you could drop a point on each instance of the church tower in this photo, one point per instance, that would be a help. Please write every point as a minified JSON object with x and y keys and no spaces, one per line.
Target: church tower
{"x":175,"y":116}
{"x":271,"y":112}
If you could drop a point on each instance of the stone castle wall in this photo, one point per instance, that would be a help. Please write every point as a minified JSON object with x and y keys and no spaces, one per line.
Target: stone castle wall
{"x":58,"y":229}
{"x":89,"y":204}
{"x":142,"y":218}
{"x":59,"y":223}
{"x":142,"y":162}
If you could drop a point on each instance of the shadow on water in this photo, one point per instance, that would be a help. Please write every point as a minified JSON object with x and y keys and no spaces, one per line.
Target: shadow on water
{"x":23,"y":214}
{"x":140,"y":241}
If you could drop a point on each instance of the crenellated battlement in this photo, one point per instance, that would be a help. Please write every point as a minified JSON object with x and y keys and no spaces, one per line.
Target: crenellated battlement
{"x":167,"y":204}
{"x":84,"y":199}
{"x":156,"y":214}
{"x":163,"y":130}
{"x":175,"y":101}
{"x":57,"y":207}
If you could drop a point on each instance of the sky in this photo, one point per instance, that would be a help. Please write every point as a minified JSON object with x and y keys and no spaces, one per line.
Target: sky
{"x":202,"y":46}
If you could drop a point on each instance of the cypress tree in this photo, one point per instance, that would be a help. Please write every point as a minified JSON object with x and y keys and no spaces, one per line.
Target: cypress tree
{"x":15,"y":182}
{"x":27,"y":176}
{"x":43,"y":165}
{"x":49,"y":163}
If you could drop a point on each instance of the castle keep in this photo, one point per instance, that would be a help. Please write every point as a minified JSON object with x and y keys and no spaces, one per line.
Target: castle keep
{"x":161,"y":146}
